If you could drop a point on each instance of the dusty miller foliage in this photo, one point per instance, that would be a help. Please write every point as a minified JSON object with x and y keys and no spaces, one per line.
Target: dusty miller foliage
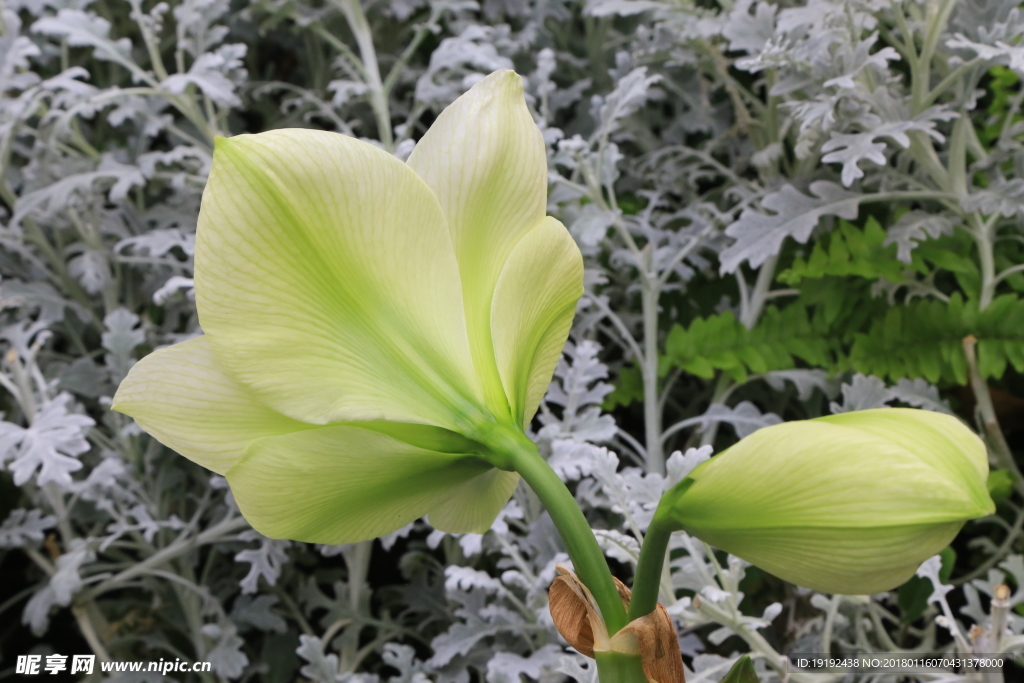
{"x":786,"y":209}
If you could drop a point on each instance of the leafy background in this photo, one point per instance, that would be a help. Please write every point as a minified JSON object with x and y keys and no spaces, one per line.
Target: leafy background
{"x":786,"y":209}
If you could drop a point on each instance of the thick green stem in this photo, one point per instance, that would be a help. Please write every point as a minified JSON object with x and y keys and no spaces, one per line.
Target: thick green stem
{"x":616,"y":667}
{"x":587,"y":558}
{"x":647,"y":579}
{"x":514,"y":450}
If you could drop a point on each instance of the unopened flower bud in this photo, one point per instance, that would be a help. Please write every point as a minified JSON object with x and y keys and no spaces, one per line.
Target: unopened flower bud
{"x":849,"y":503}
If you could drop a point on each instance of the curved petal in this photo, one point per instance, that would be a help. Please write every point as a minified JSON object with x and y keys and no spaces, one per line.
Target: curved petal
{"x":343,"y":484}
{"x":183,"y":397}
{"x":941,"y":441}
{"x":327,"y":283}
{"x":849,"y":561}
{"x":470,"y":507}
{"x":484,"y":158}
{"x":534,"y":304}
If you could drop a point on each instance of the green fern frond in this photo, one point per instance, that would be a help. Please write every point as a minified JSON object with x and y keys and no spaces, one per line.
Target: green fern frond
{"x":850,"y":251}
{"x":722,"y":343}
{"x":925,"y":339}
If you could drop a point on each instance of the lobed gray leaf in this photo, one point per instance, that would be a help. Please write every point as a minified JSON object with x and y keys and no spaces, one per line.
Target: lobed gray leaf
{"x":49,"y":447}
{"x":759,"y":235}
{"x":25,"y":527}
{"x":914,"y":227}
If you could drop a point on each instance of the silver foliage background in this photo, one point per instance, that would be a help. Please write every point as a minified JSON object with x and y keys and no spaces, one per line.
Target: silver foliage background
{"x":786,"y":209}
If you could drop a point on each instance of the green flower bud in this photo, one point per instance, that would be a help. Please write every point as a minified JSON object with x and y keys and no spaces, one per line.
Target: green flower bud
{"x":849,"y":503}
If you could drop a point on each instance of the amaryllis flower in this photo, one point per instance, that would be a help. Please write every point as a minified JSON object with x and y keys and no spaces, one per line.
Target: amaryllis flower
{"x":376,"y":333}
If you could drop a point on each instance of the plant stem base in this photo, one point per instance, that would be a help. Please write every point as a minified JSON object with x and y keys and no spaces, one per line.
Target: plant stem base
{"x":615,"y":667}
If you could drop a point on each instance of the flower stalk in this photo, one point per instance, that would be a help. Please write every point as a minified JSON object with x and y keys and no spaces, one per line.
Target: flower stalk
{"x":587,"y":557}
{"x":647,"y":579}
{"x":618,"y":667}
{"x":514,"y":450}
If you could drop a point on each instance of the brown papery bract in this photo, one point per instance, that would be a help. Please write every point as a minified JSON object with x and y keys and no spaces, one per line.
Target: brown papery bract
{"x":579,"y":621}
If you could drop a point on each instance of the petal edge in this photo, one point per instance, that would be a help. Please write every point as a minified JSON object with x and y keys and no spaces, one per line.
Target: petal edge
{"x":534,"y":305}
{"x":485,"y":160}
{"x":184,"y":398}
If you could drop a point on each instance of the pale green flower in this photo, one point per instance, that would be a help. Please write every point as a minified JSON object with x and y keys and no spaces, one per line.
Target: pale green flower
{"x":375,"y":332}
{"x":850,"y":503}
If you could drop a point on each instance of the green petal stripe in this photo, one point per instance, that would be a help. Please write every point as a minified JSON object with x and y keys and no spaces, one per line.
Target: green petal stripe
{"x":343,"y":484}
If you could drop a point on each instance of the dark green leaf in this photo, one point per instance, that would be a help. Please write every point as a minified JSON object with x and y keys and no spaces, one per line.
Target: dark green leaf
{"x":742,"y":672}
{"x":1000,"y":484}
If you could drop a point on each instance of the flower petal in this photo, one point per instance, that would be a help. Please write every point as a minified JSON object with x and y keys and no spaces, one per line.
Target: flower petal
{"x":343,"y":484}
{"x":471,"y":507}
{"x":942,"y":441}
{"x":534,"y":304}
{"x":183,"y":397}
{"x":849,"y":561}
{"x":327,"y":282}
{"x":485,"y":160}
